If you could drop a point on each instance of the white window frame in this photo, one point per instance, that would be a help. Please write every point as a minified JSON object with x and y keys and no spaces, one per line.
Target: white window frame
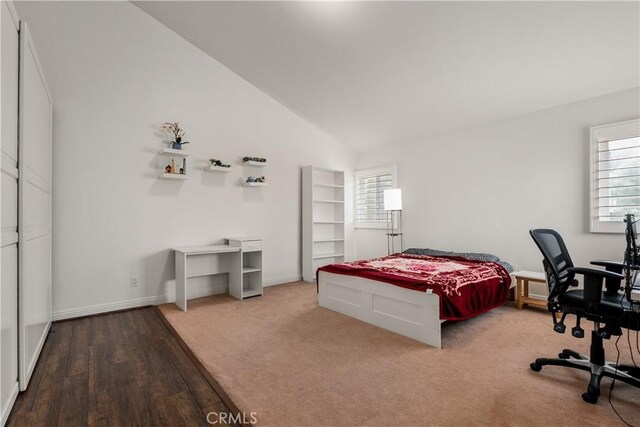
{"x":620,"y":130}
{"x":380,"y":170}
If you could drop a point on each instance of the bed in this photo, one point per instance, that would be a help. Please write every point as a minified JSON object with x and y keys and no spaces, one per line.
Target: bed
{"x":414,"y":292}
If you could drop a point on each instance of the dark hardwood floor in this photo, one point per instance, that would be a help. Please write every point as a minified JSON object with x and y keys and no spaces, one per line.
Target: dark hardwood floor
{"x":122,"y":368}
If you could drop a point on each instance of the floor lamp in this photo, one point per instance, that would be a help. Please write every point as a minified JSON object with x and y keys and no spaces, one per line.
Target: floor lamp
{"x":393,"y":206}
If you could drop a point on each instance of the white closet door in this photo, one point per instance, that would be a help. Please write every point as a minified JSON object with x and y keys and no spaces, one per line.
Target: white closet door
{"x":9,"y":209}
{"x":34,"y":208}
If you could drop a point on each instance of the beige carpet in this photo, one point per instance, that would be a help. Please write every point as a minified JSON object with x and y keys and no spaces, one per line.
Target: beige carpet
{"x":297,"y":364}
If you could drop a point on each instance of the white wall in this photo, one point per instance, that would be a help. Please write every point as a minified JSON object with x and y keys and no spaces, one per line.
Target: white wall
{"x":115,"y":75}
{"x":482,"y":189}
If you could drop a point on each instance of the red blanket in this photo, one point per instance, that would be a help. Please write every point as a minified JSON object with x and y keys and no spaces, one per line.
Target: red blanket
{"x":466,"y":288}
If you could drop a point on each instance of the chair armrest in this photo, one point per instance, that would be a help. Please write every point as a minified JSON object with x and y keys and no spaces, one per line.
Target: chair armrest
{"x":615,"y":266}
{"x":613,"y":285}
{"x":593,"y":285}
{"x":602,"y":274}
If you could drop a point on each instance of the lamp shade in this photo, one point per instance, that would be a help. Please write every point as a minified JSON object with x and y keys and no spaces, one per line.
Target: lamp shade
{"x":393,"y":199}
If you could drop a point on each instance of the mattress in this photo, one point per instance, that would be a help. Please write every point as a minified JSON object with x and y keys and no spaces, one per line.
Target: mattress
{"x":466,"y":287}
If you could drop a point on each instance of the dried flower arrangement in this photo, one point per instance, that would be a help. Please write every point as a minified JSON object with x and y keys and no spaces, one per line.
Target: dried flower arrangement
{"x":174,"y":130}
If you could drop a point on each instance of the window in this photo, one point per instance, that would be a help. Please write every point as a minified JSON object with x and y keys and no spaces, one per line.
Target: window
{"x":615,"y":175}
{"x":370,"y":185}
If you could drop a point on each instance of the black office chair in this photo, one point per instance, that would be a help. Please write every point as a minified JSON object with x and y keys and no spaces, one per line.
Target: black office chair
{"x":609,"y":308}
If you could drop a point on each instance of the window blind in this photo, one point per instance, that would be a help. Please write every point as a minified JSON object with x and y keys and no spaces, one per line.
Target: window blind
{"x":615,"y":175}
{"x":618,"y":179}
{"x":370,"y":197}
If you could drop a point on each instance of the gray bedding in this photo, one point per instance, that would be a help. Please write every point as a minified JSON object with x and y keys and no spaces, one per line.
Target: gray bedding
{"x":476,"y":256}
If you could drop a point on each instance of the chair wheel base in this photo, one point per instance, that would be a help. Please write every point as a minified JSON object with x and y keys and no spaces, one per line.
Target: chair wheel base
{"x":535,"y":367}
{"x":593,"y":391}
{"x":590,"y":398}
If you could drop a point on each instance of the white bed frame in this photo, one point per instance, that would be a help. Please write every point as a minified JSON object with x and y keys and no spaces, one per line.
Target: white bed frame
{"x":407,"y":312}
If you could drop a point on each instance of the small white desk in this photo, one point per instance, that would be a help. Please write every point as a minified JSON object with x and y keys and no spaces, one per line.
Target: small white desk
{"x":197,"y":261}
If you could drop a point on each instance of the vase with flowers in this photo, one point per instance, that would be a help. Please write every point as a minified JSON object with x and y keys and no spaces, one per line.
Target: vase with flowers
{"x":176,"y":132}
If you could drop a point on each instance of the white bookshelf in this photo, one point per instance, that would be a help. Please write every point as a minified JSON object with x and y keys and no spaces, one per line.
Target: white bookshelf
{"x":329,"y":201}
{"x":323,"y":212}
{"x":220,"y":169}
{"x":326,"y":256}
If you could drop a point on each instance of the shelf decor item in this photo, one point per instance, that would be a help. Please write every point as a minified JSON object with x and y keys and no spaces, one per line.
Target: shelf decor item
{"x":254,"y":159}
{"x":218,"y":163}
{"x":174,"y":129}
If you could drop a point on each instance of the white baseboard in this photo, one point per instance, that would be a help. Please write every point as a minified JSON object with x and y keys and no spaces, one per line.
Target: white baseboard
{"x":156,"y":300}
{"x":542,"y":297}
{"x":104,"y":308}
{"x":279,"y":280}
{"x":8,"y":405}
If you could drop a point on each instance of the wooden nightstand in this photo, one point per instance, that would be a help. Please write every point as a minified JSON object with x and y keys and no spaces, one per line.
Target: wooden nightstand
{"x":522,"y":288}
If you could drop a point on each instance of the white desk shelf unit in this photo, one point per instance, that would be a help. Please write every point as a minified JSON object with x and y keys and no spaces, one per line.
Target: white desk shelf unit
{"x":251,"y":254}
{"x":241,"y":259}
{"x":198,"y":261}
{"x":322,"y":219}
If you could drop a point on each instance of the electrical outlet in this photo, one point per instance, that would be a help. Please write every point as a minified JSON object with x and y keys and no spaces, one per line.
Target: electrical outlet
{"x":134,"y":282}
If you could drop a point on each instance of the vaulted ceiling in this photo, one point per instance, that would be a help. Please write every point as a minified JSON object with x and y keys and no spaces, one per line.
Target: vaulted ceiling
{"x":373,"y":73}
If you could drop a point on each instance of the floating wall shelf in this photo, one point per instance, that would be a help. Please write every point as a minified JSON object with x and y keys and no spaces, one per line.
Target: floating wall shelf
{"x":219,"y":169}
{"x":177,"y":153}
{"x":247,"y":174}
{"x":178,"y":164}
{"x":254,"y":164}
{"x":173,"y":176}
